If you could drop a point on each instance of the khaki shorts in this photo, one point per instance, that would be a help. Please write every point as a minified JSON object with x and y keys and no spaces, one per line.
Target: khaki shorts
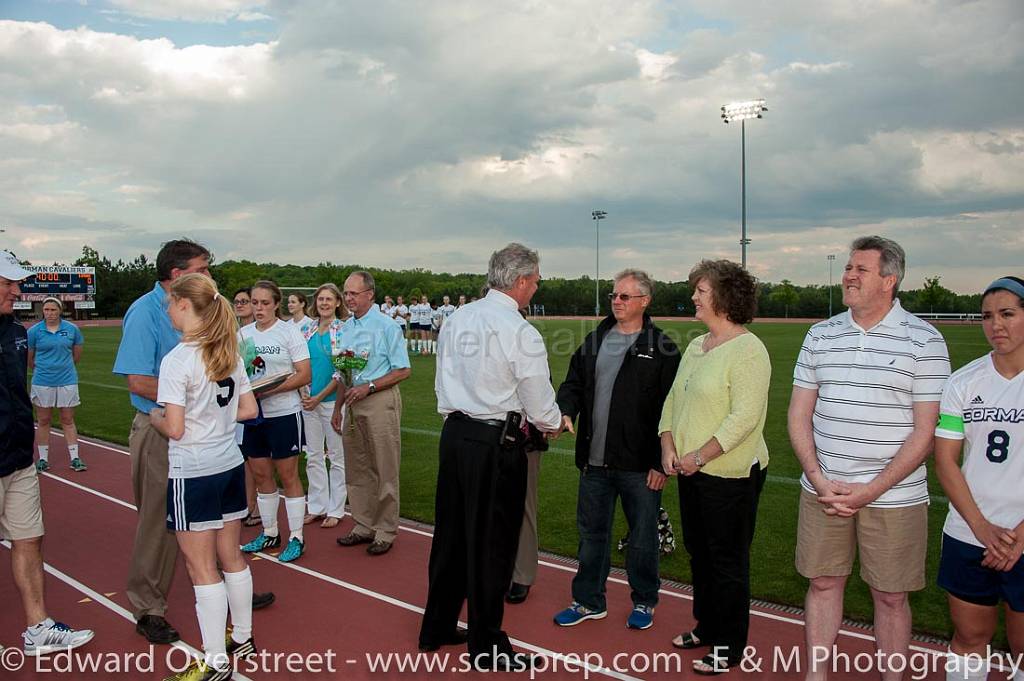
{"x":21,"y":513}
{"x":892,"y":543}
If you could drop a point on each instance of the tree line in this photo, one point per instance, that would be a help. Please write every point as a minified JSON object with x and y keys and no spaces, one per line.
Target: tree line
{"x":121,"y":282}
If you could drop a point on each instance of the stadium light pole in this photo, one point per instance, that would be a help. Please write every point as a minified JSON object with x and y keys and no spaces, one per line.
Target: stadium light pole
{"x":742,"y":111}
{"x":831,"y":259}
{"x":597,"y":216}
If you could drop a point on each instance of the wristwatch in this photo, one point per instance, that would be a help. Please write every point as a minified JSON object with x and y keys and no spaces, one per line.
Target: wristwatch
{"x":373,"y":388}
{"x":697,"y":460}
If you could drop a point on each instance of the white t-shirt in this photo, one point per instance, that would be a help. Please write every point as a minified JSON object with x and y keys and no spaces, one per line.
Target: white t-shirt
{"x":446,"y":310}
{"x":416,"y":313}
{"x":389,"y":310}
{"x":435,"y":318}
{"x":211,"y":413}
{"x":982,"y":407}
{"x":299,"y":324}
{"x":400,"y":312}
{"x":277,"y":350}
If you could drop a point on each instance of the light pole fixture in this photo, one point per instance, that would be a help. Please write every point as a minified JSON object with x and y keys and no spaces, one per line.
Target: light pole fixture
{"x":741,"y":111}
{"x":831,"y":259}
{"x":597,"y":216}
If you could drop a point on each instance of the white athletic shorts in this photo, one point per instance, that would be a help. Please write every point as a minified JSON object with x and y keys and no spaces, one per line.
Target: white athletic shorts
{"x":48,"y":397}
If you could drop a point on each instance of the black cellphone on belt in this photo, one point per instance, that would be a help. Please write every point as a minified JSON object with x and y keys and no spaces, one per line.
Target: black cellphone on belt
{"x":510,"y":436}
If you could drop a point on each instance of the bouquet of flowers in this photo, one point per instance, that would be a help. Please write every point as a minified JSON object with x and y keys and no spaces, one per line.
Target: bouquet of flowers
{"x":348,"y":364}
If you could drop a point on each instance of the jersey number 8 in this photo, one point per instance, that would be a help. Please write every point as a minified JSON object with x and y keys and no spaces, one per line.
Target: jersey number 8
{"x":998,"y":446}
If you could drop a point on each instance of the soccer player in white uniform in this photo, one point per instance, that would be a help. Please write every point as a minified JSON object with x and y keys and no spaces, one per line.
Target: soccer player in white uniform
{"x":274,"y":443}
{"x":982,"y":415}
{"x":401,"y":314}
{"x":203,"y":391}
{"x":388,"y":307}
{"x":436,"y":317}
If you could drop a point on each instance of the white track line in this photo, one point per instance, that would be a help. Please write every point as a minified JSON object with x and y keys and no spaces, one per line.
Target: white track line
{"x":112,"y":606}
{"x":565,"y":568}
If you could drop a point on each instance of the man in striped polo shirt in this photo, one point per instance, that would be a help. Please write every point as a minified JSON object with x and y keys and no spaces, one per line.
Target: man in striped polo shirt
{"x":866,"y":392}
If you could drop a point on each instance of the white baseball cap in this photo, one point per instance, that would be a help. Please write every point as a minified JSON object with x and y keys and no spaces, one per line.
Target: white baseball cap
{"x":11,"y":270}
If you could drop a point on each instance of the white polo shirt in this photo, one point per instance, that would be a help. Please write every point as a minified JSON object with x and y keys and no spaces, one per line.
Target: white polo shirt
{"x":867,"y":382}
{"x":491,"y":361}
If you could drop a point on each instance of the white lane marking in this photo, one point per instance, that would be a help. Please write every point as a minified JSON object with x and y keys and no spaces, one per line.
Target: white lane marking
{"x":565,"y":568}
{"x":112,"y":606}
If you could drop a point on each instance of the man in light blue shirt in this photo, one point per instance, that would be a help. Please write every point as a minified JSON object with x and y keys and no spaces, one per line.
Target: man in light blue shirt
{"x":146,"y":337}
{"x":372,"y":436}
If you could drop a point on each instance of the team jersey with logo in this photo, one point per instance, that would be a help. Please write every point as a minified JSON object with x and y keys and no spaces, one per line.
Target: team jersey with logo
{"x":435,"y":319}
{"x":986,"y":410}
{"x":420,"y":313}
{"x":275,"y":351}
{"x":400,"y":313}
{"x":446,"y":310}
{"x":389,"y":310}
{"x":211,"y":412}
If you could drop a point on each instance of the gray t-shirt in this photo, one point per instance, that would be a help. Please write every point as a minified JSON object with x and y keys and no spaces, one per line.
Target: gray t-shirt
{"x":609,"y":361}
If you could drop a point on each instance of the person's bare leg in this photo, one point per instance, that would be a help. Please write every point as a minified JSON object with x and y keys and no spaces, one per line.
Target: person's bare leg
{"x":823,"y":616}
{"x":27,"y":565}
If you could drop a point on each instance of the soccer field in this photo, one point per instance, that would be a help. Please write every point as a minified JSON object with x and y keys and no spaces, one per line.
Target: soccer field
{"x":105,"y":413}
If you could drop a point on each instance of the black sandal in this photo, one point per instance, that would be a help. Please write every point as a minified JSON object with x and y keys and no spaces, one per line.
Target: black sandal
{"x":687,"y":641}
{"x":712,"y":665}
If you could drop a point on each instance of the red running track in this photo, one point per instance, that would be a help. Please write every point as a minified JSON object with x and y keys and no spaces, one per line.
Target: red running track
{"x":338,"y":607}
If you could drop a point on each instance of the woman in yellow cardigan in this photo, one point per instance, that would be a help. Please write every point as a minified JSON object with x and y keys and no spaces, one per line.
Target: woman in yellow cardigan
{"x":712,"y":438}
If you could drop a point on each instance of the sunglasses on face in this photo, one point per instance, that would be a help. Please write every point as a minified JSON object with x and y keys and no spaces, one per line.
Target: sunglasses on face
{"x":624,"y":297}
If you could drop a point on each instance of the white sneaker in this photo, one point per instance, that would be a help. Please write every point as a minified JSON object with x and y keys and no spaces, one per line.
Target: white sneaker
{"x":50,"y":637}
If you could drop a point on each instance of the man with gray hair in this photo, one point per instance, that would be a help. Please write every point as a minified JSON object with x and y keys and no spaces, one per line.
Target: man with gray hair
{"x":616,"y":386}
{"x":372,"y":432}
{"x":492,"y":378}
{"x":866,"y":392}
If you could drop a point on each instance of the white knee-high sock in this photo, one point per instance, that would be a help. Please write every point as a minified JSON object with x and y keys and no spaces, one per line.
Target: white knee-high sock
{"x":268,"y":504}
{"x":44,"y":452}
{"x":295,"y":507}
{"x":212,"y":611}
{"x":239,"y":588}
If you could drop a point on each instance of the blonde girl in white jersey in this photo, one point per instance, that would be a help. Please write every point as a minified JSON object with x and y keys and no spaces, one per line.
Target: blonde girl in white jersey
{"x":982,"y":417}
{"x":204,"y":391}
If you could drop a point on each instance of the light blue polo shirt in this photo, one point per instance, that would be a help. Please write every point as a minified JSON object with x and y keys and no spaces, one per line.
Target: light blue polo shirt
{"x":377,"y":334}
{"x":54,"y":365}
{"x":147,"y":336}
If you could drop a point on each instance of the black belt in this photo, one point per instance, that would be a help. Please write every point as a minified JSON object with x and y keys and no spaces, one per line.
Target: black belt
{"x":459,"y":416}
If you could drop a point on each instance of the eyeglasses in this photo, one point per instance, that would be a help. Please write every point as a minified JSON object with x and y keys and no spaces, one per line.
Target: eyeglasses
{"x":241,"y":301}
{"x":353,"y":294}
{"x":624,"y":297}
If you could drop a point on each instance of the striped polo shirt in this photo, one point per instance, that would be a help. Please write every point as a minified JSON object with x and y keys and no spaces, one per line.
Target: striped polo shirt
{"x":867,"y":383}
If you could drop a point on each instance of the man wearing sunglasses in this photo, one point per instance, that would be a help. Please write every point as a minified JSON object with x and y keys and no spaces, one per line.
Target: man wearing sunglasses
{"x":616,"y":385}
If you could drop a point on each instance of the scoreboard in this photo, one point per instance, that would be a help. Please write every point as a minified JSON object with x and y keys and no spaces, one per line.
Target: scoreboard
{"x":59,"y":281}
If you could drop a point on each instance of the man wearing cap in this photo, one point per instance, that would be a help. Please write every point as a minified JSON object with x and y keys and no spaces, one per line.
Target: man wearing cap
{"x":21,"y":514}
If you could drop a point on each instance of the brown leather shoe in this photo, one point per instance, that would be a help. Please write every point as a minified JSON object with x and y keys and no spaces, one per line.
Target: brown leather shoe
{"x":352,"y":539}
{"x":378,"y":548}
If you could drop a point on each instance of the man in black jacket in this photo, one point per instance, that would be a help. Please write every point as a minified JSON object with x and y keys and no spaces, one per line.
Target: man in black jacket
{"x":616,"y":384}
{"x":21,"y":514}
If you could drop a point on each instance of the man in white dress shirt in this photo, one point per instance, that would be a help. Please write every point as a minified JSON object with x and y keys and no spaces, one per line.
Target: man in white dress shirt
{"x":492,"y":378}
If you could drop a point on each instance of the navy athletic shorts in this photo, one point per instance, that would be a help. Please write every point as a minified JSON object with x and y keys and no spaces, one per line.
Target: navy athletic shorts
{"x":206,"y":502}
{"x":276,"y":437}
{"x":962,"y":575}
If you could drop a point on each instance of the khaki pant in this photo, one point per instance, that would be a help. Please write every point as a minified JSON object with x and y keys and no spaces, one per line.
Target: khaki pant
{"x":526,"y":557}
{"x":373,"y":451}
{"x":155,"y":549}
{"x":21,"y":513}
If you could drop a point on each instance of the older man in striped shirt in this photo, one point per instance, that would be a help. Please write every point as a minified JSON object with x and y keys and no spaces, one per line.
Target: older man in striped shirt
{"x":866,"y":393}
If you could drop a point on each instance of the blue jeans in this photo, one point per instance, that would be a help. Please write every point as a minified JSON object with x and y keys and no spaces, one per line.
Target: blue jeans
{"x":595,"y":509}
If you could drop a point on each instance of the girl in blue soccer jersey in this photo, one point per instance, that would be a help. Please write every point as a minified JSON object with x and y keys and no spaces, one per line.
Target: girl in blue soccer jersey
{"x":982,"y":417}
{"x":204,"y":392}
{"x":54,"y":348}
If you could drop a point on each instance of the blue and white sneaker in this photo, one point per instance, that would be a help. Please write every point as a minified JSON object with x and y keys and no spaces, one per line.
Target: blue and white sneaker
{"x":50,"y":637}
{"x":642,"y":617}
{"x":577,"y":613}
{"x":42,"y":465}
{"x":262,"y":542}
{"x":292,"y":552}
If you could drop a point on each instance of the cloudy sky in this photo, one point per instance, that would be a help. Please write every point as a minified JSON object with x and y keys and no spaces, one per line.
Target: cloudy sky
{"x":424,"y":134}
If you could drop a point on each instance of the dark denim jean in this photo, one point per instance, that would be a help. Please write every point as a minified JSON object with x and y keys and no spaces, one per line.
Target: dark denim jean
{"x":595,"y":510}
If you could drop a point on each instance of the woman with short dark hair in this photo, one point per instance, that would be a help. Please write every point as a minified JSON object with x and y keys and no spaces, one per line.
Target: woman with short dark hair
{"x":712,"y":437}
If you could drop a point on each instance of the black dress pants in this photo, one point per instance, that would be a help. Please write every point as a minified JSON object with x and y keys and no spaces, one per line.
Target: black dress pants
{"x":478,"y":510}
{"x":718,"y":517}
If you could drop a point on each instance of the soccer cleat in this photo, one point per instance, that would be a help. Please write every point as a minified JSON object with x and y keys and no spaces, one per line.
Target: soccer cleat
{"x":200,"y":671}
{"x":78,"y":466}
{"x":292,"y":552}
{"x":261,"y":543}
{"x":42,"y":465}
{"x":642,"y":617}
{"x":240,"y":650}
{"x":577,"y":613}
{"x":42,"y":640}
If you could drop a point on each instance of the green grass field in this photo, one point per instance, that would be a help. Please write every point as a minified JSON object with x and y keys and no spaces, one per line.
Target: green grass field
{"x":105,"y":413}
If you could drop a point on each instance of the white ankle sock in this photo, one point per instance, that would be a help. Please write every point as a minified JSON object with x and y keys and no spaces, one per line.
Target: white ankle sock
{"x":268,"y":504}
{"x":44,"y":452}
{"x":73,"y":451}
{"x":239,"y":588}
{"x":212,"y":611}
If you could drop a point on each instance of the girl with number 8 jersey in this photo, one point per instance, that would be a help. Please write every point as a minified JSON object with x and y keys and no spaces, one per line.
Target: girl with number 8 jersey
{"x":982,"y":415}
{"x":204,"y":392}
